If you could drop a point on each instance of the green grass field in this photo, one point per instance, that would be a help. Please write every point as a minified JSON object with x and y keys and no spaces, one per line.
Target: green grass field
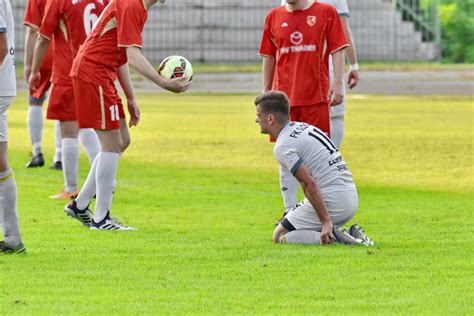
{"x":201,"y":184}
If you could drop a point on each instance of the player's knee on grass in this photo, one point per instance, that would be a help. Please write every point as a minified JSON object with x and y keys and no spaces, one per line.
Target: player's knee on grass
{"x":278,"y":233}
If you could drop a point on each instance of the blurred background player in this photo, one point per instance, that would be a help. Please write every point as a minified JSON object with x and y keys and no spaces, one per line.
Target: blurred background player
{"x":98,"y":63}
{"x":338,"y":111}
{"x":297,"y":40}
{"x":67,"y":24}
{"x":330,"y":192}
{"x":12,"y":242}
{"x":33,"y":17}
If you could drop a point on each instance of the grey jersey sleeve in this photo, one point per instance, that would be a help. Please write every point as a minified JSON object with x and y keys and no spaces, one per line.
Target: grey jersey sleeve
{"x":288,"y":158}
{"x":3,"y":17}
{"x":342,"y":7}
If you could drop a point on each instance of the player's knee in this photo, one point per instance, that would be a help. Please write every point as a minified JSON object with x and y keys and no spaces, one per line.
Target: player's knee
{"x":69,"y":129}
{"x":277,"y":235}
{"x":125,"y":143}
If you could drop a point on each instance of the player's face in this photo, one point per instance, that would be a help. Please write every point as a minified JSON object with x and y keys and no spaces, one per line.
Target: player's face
{"x":262,"y":120}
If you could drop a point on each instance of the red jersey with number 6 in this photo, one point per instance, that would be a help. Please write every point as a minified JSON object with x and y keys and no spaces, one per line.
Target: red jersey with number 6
{"x":301,"y":41}
{"x":67,"y":23}
{"x":120,"y":26}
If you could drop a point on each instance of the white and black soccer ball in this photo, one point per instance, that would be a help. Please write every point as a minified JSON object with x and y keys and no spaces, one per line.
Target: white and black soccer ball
{"x":176,"y":67}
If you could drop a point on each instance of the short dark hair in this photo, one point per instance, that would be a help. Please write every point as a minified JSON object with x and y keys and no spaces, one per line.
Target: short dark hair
{"x":275,"y":102}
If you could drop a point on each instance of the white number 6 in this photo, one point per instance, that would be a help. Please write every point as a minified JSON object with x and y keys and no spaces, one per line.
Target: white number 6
{"x":89,"y":18}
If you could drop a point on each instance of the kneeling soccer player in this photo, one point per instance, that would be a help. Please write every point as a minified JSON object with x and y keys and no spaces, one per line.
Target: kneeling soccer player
{"x":331,"y":195}
{"x":114,"y":43}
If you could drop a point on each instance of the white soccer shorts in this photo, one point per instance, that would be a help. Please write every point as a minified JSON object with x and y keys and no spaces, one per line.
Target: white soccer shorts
{"x":341,"y":206}
{"x":5,"y":103}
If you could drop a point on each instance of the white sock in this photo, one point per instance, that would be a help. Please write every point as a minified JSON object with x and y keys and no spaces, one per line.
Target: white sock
{"x":57,"y":141}
{"x":70,"y":163}
{"x":35,"y":126}
{"x":306,"y":237}
{"x":337,"y":130}
{"x":105,"y":176}
{"x":90,"y":142}
{"x":8,"y":208}
{"x":289,"y":188}
{"x":89,"y":188}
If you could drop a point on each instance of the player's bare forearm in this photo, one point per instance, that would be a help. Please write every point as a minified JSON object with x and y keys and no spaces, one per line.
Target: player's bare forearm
{"x":123,"y":75}
{"x":41,"y":46}
{"x":315,"y":197}
{"x":350,"y":51}
{"x":268,"y":70}
{"x":3,"y":47}
{"x":30,"y":40}
{"x":313,"y":193}
{"x":338,"y":65}
{"x":138,"y":62}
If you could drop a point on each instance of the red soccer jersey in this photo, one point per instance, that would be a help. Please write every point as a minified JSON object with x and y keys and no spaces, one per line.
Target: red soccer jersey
{"x":68,"y":23}
{"x":33,"y":17}
{"x":120,"y":26}
{"x":301,"y":41}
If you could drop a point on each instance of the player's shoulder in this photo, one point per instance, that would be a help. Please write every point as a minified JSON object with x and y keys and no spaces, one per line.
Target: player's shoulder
{"x":135,"y":4}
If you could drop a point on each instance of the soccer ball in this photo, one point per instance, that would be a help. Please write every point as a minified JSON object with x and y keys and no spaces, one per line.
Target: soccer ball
{"x":176,"y":67}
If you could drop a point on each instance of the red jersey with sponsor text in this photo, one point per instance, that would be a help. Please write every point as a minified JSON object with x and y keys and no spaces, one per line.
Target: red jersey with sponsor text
{"x":120,"y":26}
{"x":33,"y":17}
{"x":301,"y":41}
{"x":68,"y":22}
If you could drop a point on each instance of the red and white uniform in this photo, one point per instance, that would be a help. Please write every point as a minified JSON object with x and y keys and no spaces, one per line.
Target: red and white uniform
{"x":301,"y":41}
{"x":95,"y":67}
{"x":66,"y":23}
{"x":33,"y":18}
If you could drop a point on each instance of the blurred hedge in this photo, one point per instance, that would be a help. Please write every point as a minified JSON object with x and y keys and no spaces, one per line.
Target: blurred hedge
{"x":457,"y":27}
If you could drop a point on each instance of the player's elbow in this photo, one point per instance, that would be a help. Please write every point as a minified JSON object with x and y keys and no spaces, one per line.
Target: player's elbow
{"x":309,"y":186}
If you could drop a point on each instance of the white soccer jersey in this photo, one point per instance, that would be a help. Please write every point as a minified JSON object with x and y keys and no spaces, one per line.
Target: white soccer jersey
{"x":7,"y":70}
{"x":300,"y":143}
{"x":340,"y":5}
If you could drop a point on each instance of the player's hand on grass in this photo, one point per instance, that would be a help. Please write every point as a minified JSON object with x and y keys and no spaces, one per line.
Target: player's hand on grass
{"x":336,"y":94}
{"x":34,"y":80}
{"x":27,"y":73}
{"x":326,"y":233}
{"x":134,"y":112}
{"x":352,"y":78}
{"x":178,"y":85}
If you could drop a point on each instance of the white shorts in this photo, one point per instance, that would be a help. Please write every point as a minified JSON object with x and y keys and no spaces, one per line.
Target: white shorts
{"x":341,"y":206}
{"x":5,"y":103}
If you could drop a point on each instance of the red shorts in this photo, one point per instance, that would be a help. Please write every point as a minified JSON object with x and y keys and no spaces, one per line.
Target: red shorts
{"x":97,"y":106}
{"x":45,"y":83}
{"x":61,"y":104}
{"x":316,"y":115}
